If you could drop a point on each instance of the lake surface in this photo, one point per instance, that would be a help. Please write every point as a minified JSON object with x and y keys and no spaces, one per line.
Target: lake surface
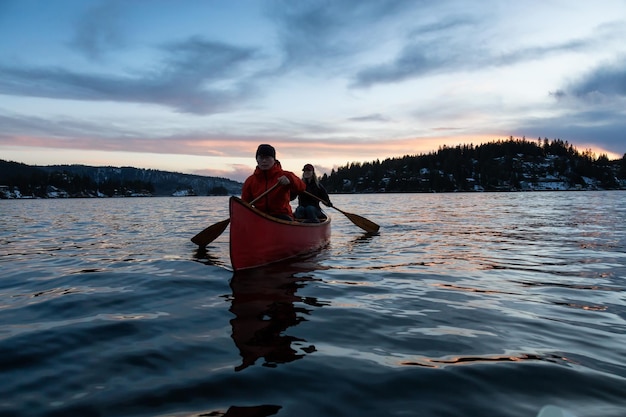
{"x":478,"y":304}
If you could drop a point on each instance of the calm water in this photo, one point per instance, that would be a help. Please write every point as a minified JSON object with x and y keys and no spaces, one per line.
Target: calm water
{"x":463,"y":305}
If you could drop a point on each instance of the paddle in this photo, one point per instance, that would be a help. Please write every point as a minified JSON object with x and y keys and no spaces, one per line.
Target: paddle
{"x":211,"y":233}
{"x":362,"y":222}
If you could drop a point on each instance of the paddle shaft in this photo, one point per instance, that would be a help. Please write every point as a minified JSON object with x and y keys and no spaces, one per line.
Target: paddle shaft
{"x":317,"y":198}
{"x":264,"y":193}
{"x":365,"y":224}
{"x":211,"y":233}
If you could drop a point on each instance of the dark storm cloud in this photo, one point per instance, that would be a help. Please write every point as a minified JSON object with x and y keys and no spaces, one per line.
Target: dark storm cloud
{"x":188,"y":79}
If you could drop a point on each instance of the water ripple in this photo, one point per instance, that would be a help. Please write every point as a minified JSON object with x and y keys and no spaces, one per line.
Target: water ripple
{"x":515,"y":300}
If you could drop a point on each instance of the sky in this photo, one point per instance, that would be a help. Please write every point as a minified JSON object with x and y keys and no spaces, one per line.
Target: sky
{"x":194,"y":86}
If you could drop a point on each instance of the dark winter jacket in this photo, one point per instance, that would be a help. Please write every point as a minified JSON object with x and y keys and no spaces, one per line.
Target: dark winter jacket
{"x":315,"y":189}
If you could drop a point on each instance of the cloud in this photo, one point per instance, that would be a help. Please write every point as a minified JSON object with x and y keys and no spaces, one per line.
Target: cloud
{"x":195,"y":76}
{"x":109,"y":135}
{"x":374,"y":117}
{"x":236,"y":172}
{"x":608,"y":80}
{"x":312,"y":33}
{"x":588,"y":129}
{"x":455,"y":45}
{"x":99,"y":30}
{"x":590,"y":111}
{"x":18,"y":126}
{"x":585,"y":115}
{"x":203,"y":60}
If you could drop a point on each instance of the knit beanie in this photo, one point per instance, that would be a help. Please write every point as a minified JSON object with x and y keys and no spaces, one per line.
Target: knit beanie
{"x":266,"y":150}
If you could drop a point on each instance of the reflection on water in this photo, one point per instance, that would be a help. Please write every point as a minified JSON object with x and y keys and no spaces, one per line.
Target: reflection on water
{"x":208,"y":257}
{"x":517,"y":357}
{"x":363,"y":238}
{"x":254,"y":411}
{"x":265,"y":305}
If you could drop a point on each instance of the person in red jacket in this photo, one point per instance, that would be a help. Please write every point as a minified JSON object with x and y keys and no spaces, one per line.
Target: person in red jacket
{"x":267,"y":173}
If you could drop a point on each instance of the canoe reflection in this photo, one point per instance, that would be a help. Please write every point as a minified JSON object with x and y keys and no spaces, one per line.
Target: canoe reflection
{"x":265,"y":304}
{"x":255,"y":411}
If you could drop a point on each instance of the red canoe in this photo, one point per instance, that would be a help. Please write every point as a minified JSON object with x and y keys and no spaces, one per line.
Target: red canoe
{"x":258,"y":239}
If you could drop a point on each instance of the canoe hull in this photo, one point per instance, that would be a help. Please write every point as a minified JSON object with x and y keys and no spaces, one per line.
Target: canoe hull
{"x":257,"y":239}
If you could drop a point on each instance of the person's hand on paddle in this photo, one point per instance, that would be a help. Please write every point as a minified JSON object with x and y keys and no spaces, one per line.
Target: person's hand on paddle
{"x":283,"y":180}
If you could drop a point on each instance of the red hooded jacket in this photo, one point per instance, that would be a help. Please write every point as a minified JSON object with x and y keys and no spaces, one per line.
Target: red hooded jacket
{"x":277,"y":200}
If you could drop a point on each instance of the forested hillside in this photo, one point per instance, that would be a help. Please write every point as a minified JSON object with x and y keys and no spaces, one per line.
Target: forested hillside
{"x":505,"y":165}
{"x":508,"y":165}
{"x":18,"y":180}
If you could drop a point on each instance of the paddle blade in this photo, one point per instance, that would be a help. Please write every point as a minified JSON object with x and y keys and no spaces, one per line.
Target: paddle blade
{"x":211,"y":233}
{"x":362,"y":222}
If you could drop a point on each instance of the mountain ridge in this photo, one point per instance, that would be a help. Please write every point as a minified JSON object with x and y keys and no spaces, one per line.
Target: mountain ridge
{"x":106,"y":181}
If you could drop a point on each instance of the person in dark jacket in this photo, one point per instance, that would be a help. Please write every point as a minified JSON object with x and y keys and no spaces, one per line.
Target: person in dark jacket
{"x":267,"y":173}
{"x":309,"y":206}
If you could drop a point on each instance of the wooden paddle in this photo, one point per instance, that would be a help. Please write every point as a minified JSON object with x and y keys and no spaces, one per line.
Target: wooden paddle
{"x":211,"y":233}
{"x":362,"y":222}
